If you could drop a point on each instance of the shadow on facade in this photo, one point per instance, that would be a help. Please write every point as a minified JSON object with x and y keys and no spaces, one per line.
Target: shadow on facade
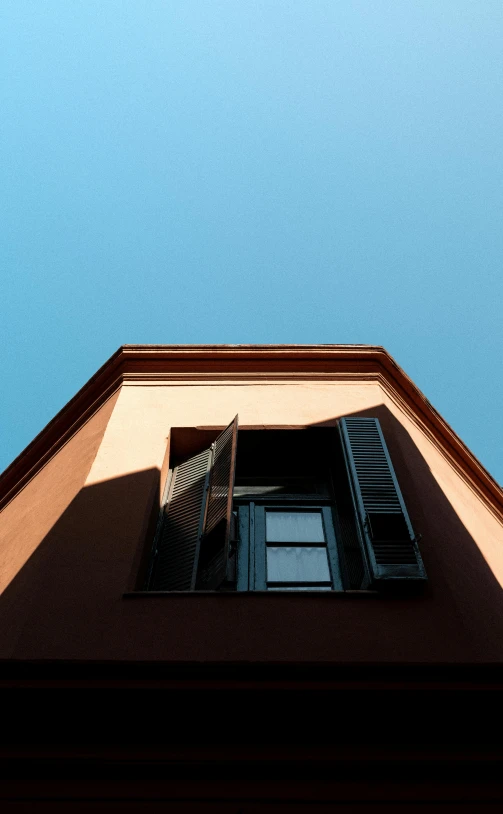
{"x":459,"y":576}
{"x":100,"y":546}
{"x":366,"y":735}
{"x":95,"y":551}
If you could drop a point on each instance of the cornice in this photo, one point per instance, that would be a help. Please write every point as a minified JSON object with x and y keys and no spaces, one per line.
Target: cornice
{"x":198,"y":364}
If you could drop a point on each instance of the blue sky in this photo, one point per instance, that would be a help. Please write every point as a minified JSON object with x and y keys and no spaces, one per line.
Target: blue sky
{"x":182,"y":171}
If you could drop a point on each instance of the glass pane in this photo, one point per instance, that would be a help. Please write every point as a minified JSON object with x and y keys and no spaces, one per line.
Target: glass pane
{"x":294,"y":527}
{"x":299,"y":564}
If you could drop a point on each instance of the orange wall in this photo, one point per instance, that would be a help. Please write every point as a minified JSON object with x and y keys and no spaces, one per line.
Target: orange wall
{"x":82,"y":539}
{"x":27,"y":520}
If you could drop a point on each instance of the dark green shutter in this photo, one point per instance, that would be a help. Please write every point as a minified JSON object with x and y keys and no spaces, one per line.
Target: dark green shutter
{"x":214,"y":553}
{"x":390,"y":543}
{"x":178,"y":543}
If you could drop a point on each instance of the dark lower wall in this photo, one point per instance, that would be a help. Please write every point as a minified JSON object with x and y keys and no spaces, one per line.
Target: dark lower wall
{"x":250,"y":749}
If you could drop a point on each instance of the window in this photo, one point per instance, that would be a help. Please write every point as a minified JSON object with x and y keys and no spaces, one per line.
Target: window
{"x":284,"y":510}
{"x":293,"y":548}
{"x":284,"y":499}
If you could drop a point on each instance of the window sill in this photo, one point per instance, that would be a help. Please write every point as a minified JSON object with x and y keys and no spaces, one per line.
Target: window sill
{"x":179,"y":594}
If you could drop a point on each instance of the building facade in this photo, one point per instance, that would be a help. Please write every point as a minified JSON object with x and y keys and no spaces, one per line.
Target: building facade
{"x":279,"y":573}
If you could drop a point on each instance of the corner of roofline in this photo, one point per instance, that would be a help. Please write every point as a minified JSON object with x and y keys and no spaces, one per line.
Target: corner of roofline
{"x":250,"y":346}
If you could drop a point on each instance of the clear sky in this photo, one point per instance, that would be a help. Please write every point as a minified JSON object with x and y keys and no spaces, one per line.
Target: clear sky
{"x":212,"y":171}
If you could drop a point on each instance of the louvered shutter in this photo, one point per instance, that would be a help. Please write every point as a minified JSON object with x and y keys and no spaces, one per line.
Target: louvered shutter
{"x":215,"y":542}
{"x":390,"y":543}
{"x":178,"y":542}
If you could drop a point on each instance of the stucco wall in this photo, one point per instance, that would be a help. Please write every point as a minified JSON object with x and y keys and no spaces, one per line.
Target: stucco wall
{"x":27,"y":520}
{"x":136,"y":436}
{"x":88,"y":552}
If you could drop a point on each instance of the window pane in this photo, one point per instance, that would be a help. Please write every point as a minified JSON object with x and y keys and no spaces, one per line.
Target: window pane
{"x":299,"y":564}
{"x":294,"y":527}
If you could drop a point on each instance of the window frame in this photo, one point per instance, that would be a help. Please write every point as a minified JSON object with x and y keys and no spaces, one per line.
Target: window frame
{"x":252,"y":546}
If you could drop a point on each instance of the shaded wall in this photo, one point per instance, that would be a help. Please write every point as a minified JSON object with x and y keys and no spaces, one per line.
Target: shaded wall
{"x":81,"y":566}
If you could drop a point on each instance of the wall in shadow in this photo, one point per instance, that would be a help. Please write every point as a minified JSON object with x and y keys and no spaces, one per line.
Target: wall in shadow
{"x":68,"y":601}
{"x":461,"y":585}
{"x":62,"y":600}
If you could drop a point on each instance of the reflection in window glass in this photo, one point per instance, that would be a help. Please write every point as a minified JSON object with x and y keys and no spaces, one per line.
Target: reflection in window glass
{"x":294,"y":527}
{"x":297,"y":564}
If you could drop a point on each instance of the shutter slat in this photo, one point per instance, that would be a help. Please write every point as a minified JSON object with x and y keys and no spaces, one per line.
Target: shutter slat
{"x":181,"y":527}
{"x":390,"y":543}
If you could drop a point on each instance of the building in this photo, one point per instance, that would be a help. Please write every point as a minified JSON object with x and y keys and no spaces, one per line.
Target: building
{"x":300,"y":609}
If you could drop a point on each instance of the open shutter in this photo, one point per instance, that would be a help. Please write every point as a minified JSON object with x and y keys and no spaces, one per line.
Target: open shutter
{"x":390,"y":543}
{"x":179,"y":535}
{"x":215,"y":543}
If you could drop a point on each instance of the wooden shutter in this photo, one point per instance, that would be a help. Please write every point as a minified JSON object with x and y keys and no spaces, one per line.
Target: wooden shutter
{"x":390,"y":543}
{"x":215,"y":542}
{"x":180,"y":533}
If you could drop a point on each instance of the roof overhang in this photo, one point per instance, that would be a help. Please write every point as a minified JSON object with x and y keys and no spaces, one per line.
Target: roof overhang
{"x":212,"y":363}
